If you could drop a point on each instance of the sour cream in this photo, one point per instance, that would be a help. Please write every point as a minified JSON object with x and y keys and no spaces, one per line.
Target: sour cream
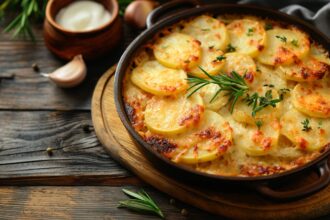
{"x":83,"y":16}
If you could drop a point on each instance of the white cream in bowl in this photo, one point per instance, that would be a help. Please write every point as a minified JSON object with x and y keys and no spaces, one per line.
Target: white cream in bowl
{"x":84,"y":15}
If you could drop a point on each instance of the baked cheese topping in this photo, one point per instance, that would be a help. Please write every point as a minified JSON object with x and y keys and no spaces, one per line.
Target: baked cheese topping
{"x":231,"y":95}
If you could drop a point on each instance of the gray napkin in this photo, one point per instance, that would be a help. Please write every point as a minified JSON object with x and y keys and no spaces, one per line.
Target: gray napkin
{"x":316,"y":12}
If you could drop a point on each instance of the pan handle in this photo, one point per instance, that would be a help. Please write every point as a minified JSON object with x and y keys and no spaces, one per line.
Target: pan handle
{"x":324,"y":178}
{"x":154,"y":16}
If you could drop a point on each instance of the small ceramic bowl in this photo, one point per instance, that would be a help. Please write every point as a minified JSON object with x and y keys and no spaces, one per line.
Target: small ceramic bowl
{"x":91,"y":44}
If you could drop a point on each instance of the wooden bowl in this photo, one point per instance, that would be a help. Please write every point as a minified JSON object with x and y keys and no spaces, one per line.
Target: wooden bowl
{"x":91,"y":44}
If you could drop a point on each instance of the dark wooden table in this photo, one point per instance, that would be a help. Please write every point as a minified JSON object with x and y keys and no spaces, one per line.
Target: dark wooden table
{"x":80,"y":180}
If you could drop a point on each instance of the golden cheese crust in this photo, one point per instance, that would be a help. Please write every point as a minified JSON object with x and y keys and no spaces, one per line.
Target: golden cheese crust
{"x":280,"y":121}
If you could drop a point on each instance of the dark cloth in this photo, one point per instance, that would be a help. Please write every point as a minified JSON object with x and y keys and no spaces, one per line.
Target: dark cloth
{"x":317,"y":12}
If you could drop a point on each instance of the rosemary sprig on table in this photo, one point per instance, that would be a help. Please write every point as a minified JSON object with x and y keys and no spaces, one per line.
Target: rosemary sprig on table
{"x":27,"y":11}
{"x":140,"y":202}
{"x":233,"y":84}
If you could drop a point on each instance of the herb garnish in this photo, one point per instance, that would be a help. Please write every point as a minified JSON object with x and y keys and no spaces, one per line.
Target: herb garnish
{"x":260,"y":102}
{"x":282,"y":38}
{"x":259,"y":124}
{"x":320,"y":124}
{"x":220,"y":58}
{"x":306,"y":126}
{"x":205,"y":29}
{"x":233,"y":84}
{"x":230,"y":48}
{"x":295,"y":43}
{"x":282,"y":92}
{"x":140,"y":202}
{"x":28,"y":10}
{"x":268,"y":26}
{"x":250,"y":32}
{"x":269,"y":85}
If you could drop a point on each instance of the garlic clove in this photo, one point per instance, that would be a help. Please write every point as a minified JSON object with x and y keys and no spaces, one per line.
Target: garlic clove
{"x":71,"y":74}
{"x":137,"y":11}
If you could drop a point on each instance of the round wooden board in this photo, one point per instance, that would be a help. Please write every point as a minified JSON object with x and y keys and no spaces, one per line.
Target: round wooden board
{"x":239,"y":205}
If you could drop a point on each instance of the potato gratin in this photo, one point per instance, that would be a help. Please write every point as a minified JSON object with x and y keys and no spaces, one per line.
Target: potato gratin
{"x":231,"y":95}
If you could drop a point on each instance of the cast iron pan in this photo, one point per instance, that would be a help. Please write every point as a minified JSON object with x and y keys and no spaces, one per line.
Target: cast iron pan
{"x":263,"y":184}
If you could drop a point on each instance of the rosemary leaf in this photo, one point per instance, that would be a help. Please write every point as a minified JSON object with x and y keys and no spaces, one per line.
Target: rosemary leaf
{"x":233,"y":84}
{"x":140,"y":202}
{"x":28,"y":10}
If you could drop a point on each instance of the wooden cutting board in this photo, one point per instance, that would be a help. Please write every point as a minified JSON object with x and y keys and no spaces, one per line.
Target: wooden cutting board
{"x":242,"y":204}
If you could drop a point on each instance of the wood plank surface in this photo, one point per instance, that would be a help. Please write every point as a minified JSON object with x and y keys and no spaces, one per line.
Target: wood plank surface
{"x":30,"y":91}
{"x":25,"y":136}
{"x":54,"y":203}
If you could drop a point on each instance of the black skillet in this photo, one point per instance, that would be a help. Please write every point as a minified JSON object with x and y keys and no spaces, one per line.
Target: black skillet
{"x":263,"y":184}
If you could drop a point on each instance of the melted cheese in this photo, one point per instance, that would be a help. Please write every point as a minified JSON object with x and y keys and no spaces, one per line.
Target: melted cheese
{"x":202,"y":133}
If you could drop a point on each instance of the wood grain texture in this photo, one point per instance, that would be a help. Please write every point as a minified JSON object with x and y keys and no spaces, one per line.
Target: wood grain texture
{"x":31,"y":91}
{"x":57,"y":203}
{"x":25,"y":136}
{"x":233,"y":203}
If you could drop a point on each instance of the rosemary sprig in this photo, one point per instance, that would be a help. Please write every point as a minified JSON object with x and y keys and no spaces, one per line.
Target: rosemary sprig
{"x":260,"y":102}
{"x":233,"y":84}
{"x":28,"y":10}
{"x":140,"y":202}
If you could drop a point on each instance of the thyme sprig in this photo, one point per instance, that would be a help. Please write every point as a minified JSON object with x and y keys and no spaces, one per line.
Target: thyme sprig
{"x":306,"y":125}
{"x":140,"y":202}
{"x":233,"y":84}
{"x":260,"y":102}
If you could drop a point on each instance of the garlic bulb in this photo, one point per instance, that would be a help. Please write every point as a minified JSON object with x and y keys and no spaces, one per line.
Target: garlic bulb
{"x":69,"y":75}
{"x":137,"y":11}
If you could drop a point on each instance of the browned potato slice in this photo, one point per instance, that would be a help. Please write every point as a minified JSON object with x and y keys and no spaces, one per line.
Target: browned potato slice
{"x":178,"y":51}
{"x":312,"y":99}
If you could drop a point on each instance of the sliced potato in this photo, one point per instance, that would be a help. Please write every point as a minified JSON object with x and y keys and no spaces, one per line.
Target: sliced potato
{"x":243,"y":112}
{"x":135,"y":103}
{"x":320,"y":54}
{"x":308,"y":69}
{"x":211,"y":32}
{"x":211,"y":62}
{"x":214,"y":138}
{"x":157,"y":79}
{"x":247,"y":36}
{"x":242,"y":64}
{"x":314,"y":138}
{"x":259,"y":142}
{"x":168,"y":115}
{"x":284,"y":46}
{"x":268,"y":77}
{"x":208,"y":92}
{"x":177,"y":50}
{"x":312,"y":99}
